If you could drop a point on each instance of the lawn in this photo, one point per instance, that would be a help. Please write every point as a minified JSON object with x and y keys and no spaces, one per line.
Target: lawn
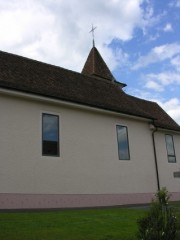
{"x":86,"y":224}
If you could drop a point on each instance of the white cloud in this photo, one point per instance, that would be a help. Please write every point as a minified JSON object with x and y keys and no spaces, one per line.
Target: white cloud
{"x":174,"y":3}
{"x":158,"y":54}
{"x":159,"y":81}
{"x":178,"y":3}
{"x":168,"y":28}
{"x":144,"y":94}
{"x":58,"y":32}
{"x":153,"y":37}
{"x":172,"y":107}
{"x":151,"y":84}
{"x":119,"y":58}
{"x":176,"y":63}
{"x":150,"y":19}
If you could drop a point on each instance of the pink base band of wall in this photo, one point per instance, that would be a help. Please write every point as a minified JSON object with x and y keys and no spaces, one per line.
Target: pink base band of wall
{"x":38,"y":201}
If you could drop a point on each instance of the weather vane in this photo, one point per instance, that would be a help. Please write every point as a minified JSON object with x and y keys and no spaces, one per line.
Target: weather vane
{"x":92,"y":31}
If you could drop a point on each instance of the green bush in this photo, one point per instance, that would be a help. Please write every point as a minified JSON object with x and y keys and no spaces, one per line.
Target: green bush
{"x":160,"y":223}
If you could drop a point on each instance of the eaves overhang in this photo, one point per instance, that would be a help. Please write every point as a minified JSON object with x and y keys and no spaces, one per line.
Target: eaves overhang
{"x":51,"y":99}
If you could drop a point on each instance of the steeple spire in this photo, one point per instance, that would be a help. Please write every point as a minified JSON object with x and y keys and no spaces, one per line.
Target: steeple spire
{"x":92,"y":31}
{"x":96,"y":66}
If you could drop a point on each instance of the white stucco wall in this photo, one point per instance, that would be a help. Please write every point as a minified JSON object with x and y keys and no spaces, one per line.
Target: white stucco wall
{"x":88,"y":162}
{"x":167,"y":169}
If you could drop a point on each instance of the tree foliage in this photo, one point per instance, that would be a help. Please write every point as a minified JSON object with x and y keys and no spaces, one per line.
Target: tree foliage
{"x":160,"y":223}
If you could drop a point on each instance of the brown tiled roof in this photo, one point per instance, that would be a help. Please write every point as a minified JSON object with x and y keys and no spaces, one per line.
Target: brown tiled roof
{"x":162,"y":119}
{"x":30,"y":76}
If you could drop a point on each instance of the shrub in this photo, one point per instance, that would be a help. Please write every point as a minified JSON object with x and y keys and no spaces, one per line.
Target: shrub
{"x":160,"y":223}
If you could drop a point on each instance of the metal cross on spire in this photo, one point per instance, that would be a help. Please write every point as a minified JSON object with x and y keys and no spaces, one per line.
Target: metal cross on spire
{"x":92,"y":31}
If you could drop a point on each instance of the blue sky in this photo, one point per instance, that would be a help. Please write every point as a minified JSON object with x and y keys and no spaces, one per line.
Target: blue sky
{"x":152,"y":57}
{"x":138,"y":39}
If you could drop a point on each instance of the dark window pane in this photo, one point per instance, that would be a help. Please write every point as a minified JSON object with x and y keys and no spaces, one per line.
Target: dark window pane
{"x":50,"y":135}
{"x":123,"y":144}
{"x":171,"y":158}
{"x":50,"y":148}
{"x":170,"y":148}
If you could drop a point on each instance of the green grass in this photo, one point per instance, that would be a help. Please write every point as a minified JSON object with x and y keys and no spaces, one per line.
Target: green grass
{"x":89,"y":224}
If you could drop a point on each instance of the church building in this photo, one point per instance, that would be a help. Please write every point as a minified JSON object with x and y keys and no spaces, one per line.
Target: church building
{"x":70,"y":139}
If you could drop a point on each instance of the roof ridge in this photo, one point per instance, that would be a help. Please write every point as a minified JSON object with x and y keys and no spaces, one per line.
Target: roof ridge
{"x":39,"y":62}
{"x":161,"y":118}
{"x":30,"y":60}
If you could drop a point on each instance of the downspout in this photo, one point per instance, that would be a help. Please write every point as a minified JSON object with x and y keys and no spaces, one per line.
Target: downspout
{"x":155,"y":156}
